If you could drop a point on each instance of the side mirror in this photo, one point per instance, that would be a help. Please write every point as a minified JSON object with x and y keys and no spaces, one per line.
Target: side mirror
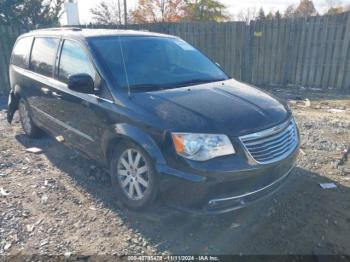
{"x":82,"y":83}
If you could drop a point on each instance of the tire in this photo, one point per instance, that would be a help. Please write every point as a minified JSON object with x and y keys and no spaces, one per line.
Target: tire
{"x":28,"y":125}
{"x":136,"y":185}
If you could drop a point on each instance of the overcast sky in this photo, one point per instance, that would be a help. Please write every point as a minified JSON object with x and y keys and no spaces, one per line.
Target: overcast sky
{"x":234,"y":6}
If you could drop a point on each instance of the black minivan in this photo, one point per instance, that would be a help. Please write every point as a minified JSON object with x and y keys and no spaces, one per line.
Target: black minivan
{"x":161,"y":117}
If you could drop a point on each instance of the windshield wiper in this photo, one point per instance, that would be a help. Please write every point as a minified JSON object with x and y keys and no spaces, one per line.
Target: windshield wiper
{"x":196,"y":82}
{"x":154,"y":87}
{"x":144,"y":87}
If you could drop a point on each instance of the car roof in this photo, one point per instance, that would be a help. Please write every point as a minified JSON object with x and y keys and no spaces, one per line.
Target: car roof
{"x":81,"y":33}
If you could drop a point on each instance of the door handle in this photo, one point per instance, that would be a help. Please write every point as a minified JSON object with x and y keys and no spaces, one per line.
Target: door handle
{"x":45,"y":90}
{"x":55,"y":94}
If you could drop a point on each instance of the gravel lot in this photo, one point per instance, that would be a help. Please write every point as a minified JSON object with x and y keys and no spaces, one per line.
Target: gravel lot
{"x":57,"y":202}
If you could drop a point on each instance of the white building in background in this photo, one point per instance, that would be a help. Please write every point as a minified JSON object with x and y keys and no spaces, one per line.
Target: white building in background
{"x":72,"y":12}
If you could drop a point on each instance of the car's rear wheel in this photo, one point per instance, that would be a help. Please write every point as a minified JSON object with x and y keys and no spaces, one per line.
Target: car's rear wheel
{"x":28,"y":125}
{"x":133,"y":176}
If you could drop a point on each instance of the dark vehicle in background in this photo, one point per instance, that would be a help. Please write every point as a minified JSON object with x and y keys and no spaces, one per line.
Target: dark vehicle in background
{"x":164,"y":119}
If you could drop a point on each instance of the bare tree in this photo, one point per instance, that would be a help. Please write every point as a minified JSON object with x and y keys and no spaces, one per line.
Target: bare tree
{"x":108,"y":12}
{"x":247,"y":15}
{"x":155,"y":11}
{"x":289,"y":12}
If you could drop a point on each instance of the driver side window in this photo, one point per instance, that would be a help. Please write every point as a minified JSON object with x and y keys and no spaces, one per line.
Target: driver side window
{"x":73,"y":61}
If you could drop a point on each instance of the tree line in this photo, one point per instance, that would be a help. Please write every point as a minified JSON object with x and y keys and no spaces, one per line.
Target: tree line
{"x":43,"y":13}
{"x":156,"y":11}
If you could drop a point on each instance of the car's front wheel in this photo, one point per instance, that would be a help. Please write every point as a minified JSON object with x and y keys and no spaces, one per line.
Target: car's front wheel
{"x":133,"y":176}
{"x":28,"y":125}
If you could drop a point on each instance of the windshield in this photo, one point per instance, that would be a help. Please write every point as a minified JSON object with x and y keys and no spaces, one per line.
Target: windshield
{"x":153,"y":63}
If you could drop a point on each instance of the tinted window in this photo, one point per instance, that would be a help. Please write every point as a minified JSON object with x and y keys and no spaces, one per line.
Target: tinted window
{"x":73,"y":61}
{"x":21,"y":51}
{"x":153,"y":63}
{"x":43,"y":55}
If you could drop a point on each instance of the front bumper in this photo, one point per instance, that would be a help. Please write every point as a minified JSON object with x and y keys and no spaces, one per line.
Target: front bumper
{"x":221,"y":193}
{"x":223,"y":205}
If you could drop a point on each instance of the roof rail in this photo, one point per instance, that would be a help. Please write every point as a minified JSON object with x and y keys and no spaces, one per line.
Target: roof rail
{"x":61,"y":29}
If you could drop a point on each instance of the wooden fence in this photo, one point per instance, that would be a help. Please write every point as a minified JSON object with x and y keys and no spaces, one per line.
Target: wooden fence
{"x":313,"y":52}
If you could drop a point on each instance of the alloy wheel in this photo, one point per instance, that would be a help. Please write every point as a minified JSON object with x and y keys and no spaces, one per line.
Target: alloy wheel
{"x":133,"y":174}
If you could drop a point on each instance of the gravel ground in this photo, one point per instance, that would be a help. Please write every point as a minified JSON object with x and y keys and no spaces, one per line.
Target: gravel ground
{"x":58,"y":203}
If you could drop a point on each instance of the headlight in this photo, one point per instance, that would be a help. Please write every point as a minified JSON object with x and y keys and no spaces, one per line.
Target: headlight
{"x":202,"y":147}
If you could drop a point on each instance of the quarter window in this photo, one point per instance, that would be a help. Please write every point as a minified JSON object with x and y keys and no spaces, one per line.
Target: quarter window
{"x":73,"y":61}
{"x":21,"y":51}
{"x":43,"y":55}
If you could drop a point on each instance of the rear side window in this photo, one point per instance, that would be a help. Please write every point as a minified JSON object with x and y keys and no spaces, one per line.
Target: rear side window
{"x":43,"y":55}
{"x":73,"y":61}
{"x":21,"y":52}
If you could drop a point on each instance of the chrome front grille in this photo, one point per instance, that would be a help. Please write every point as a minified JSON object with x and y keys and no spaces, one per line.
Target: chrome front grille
{"x":273,"y":144}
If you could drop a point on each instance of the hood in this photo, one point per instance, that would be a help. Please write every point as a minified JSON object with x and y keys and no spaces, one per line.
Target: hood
{"x":228,"y":107}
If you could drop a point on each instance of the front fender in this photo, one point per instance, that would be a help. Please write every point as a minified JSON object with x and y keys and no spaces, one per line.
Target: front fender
{"x":137,"y":135}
